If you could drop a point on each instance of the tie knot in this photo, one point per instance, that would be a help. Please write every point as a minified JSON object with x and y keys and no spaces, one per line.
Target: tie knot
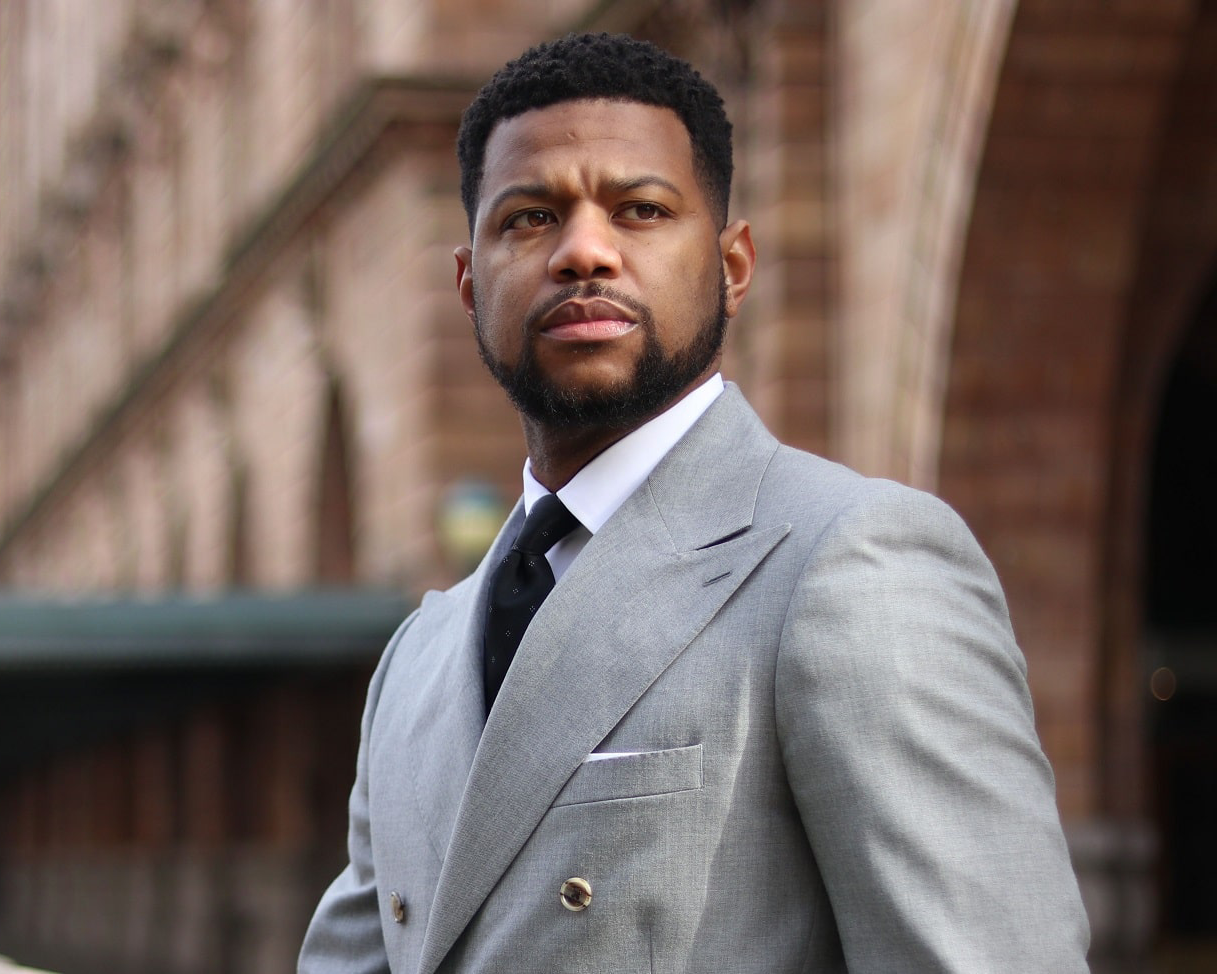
{"x":547,"y":523}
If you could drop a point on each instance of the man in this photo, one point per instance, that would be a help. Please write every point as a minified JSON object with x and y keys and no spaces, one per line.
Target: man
{"x":772,"y":716}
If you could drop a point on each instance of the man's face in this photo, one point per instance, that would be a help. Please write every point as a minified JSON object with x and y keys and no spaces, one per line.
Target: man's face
{"x":598,"y":283}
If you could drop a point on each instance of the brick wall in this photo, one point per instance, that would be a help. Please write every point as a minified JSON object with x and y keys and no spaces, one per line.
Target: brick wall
{"x":779,"y":348}
{"x":1037,"y":335}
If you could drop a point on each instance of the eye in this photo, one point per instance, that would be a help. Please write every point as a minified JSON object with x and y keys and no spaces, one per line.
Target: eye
{"x":528,"y":220}
{"x":642,"y":212}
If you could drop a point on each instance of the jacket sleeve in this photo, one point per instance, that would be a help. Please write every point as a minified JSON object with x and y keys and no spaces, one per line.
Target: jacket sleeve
{"x":909,"y":740}
{"x":345,"y":934}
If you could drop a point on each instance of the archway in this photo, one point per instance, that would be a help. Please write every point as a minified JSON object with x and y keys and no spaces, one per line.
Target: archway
{"x":1180,"y":647}
{"x":335,"y":538}
{"x":1079,"y":272}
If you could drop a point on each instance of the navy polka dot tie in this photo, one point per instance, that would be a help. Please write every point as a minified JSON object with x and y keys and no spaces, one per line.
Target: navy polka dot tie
{"x":520,"y":584}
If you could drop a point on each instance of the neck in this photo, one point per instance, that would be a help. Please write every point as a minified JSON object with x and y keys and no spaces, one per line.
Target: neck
{"x":555,"y":456}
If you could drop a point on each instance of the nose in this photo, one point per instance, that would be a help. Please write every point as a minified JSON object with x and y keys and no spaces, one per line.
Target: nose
{"x":586,"y":248}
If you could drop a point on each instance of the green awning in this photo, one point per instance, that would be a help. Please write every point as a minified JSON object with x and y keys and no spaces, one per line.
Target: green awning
{"x":242,"y":629}
{"x":74,"y":671}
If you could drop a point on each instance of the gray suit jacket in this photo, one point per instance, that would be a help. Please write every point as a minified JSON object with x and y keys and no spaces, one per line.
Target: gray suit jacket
{"x":830,"y":758}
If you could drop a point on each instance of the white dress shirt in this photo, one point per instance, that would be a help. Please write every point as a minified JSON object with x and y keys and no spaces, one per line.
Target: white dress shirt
{"x":596,"y":491}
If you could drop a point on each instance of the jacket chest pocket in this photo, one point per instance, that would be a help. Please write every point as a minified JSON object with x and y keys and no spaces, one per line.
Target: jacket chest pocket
{"x":633,"y":775}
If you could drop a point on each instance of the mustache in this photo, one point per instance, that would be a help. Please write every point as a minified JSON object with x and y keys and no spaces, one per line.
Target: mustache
{"x":592,"y":289}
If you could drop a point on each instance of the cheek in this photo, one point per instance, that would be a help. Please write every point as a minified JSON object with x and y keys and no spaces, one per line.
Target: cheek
{"x":499,"y":284}
{"x":498,"y":318}
{"x":686,"y":268}
{"x":682,"y":288}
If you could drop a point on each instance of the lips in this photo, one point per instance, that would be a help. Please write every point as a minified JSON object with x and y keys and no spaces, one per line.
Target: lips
{"x":592,"y":320}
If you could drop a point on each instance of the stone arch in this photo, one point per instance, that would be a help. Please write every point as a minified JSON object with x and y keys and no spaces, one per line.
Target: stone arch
{"x":909,"y":125}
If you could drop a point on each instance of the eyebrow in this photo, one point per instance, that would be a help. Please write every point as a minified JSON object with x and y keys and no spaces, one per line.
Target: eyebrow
{"x":624,"y":185}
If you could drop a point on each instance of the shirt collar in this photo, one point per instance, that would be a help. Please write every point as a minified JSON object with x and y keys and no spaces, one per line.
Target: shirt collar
{"x":596,"y":491}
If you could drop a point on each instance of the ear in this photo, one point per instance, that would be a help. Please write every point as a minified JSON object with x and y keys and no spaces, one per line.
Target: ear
{"x":739,"y":259}
{"x":464,"y":278}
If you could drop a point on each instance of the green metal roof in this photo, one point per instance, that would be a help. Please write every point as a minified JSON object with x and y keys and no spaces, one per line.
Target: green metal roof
{"x":73,"y":671}
{"x":238,"y":629}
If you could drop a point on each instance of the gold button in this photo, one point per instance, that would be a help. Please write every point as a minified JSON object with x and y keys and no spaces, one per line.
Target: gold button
{"x":576,"y":894}
{"x":398,"y":906}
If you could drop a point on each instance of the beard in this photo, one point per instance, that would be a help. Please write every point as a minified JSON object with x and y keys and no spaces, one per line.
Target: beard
{"x":657,"y":380}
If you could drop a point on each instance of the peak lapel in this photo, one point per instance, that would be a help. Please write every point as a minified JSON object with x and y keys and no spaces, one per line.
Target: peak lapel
{"x":706,"y":487}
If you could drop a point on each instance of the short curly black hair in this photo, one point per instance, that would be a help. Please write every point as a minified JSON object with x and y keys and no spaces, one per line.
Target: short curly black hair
{"x":612,"y":66}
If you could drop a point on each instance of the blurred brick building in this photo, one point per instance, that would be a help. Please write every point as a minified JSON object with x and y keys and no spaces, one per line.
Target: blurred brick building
{"x":233,"y":370}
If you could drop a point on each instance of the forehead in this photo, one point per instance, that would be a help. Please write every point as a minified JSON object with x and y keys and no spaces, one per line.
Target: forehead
{"x":585,"y":134}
